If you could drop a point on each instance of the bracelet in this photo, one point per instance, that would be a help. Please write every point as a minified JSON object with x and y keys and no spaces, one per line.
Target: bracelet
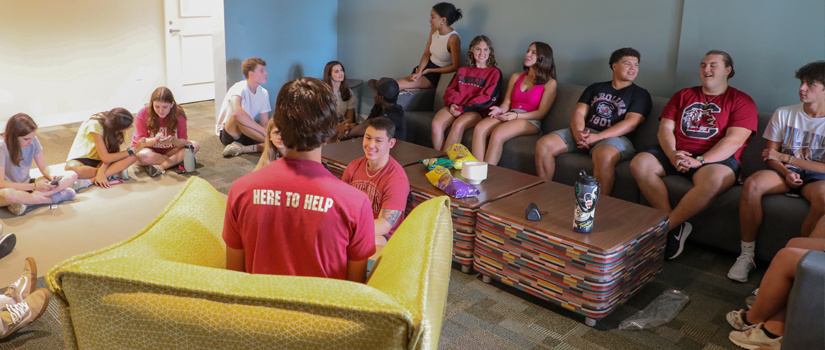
{"x":34,"y":186}
{"x":790,"y":159}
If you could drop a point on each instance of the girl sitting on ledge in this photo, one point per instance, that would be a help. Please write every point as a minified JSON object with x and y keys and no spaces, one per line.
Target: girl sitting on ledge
{"x":443,"y":52}
{"x":95,"y":152}
{"x":162,"y":125}
{"x":18,"y":149}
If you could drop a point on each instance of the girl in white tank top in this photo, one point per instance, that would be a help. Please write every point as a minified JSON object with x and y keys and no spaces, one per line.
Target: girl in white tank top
{"x":443,"y":50}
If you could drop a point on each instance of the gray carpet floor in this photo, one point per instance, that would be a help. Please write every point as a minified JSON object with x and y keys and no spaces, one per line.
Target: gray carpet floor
{"x":486,"y":316}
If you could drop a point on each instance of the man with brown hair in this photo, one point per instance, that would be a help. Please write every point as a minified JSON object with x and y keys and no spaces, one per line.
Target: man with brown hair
{"x":292,"y":217}
{"x":245,"y":111}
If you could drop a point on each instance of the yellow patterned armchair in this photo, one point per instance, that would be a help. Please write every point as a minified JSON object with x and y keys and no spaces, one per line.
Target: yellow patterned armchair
{"x":166,"y":287}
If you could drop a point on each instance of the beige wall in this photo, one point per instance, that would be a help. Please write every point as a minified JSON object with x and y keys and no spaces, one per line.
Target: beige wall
{"x":61,"y":61}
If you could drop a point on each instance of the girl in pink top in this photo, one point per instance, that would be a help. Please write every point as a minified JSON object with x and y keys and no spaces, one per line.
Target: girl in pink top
{"x":162,"y":124}
{"x":528,"y":98}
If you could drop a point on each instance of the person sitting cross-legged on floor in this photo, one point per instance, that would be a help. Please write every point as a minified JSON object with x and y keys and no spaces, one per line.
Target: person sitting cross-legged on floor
{"x":22,"y":304}
{"x":245,"y":111}
{"x":292,"y":217}
{"x":381,"y":178}
{"x":19,"y":147}
{"x":795,"y":153}
{"x":702,"y":133}
{"x":162,"y":124}
{"x":762,"y":326}
{"x":95,"y":152}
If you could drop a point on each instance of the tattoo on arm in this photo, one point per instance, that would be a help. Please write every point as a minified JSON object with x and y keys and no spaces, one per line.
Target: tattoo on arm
{"x":390,"y":215}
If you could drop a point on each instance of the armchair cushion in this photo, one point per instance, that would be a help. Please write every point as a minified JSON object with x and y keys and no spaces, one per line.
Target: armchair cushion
{"x":167,"y":287}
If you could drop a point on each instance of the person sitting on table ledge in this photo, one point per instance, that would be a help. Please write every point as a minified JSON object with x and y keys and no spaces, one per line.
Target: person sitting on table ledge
{"x":245,"y":111}
{"x":702,"y":133}
{"x":292,"y":217}
{"x":385,"y":96}
{"x":381,"y":177}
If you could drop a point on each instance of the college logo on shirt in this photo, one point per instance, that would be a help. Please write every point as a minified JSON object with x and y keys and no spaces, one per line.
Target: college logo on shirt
{"x":698,"y":121}
{"x":607,"y":106}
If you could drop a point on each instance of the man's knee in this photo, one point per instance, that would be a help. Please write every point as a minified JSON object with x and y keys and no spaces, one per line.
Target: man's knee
{"x":644,"y":164}
{"x":606,"y":157}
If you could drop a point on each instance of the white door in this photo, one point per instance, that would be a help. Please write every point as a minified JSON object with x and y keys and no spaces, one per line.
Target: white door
{"x":190,"y":66}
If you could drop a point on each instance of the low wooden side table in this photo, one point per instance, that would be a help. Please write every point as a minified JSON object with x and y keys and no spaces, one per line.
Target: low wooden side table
{"x":589,"y":274}
{"x":501,"y":182}
{"x":336,"y":156}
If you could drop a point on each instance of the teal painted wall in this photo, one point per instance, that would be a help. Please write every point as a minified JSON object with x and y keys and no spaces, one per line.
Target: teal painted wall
{"x":768,"y":40}
{"x":295,"y":38}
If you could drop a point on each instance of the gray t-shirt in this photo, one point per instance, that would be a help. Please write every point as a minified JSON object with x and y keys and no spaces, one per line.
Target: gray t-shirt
{"x":19,"y":173}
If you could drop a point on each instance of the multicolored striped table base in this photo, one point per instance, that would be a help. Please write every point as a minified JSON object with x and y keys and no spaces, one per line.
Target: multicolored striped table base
{"x":464,"y":222}
{"x":564,"y":272}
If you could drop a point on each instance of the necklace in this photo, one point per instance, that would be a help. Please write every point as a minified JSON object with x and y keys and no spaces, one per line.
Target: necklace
{"x":367,"y":170}
{"x":706,"y":106}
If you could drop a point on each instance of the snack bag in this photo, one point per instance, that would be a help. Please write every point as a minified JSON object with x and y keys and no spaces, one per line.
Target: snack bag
{"x":459,"y":154}
{"x":440,"y":177}
{"x":431,"y":163}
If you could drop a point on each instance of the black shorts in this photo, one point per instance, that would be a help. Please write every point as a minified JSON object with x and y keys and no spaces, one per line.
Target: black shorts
{"x":432,"y":77}
{"x":94,"y":163}
{"x":660,"y":155}
{"x":226,"y":139}
{"x":807,"y":176}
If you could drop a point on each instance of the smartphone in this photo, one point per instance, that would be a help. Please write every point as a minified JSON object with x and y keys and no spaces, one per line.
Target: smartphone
{"x":55,"y":181}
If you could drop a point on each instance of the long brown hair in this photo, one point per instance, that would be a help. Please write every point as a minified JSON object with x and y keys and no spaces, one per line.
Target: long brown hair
{"x":113,"y":123}
{"x":19,"y":125}
{"x":270,"y":153}
{"x":471,"y":59}
{"x":545,"y":64}
{"x":346,"y":94}
{"x":163,"y":94}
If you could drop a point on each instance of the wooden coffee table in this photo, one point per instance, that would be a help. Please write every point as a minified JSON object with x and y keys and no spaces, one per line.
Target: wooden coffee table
{"x":501,"y":182}
{"x":588,"y":273}
{"x":336,"y":156}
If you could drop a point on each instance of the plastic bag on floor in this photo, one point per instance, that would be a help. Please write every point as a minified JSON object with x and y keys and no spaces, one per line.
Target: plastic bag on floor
{"x":662,"y":310}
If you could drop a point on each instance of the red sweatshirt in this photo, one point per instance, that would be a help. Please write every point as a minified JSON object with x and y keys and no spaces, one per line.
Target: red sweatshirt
{"x":473,"y":88}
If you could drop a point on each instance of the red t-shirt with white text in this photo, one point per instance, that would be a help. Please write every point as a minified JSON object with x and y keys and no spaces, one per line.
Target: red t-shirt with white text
{"x":293,"y":217}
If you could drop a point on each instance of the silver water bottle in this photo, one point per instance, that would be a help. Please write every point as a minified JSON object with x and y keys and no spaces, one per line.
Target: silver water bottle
{"x":587,"y":194}
{"x":189,"y":158}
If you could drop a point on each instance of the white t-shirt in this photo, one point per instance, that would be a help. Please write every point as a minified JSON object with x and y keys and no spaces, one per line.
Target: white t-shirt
{"x":799,"y":134}
{"x":252,"y":103}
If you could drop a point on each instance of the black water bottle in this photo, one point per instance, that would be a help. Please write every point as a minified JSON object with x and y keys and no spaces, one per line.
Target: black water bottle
{"x":587,"y":194}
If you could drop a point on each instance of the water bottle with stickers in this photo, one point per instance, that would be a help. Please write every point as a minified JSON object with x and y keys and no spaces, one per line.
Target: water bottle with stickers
{"x":587,"y":194}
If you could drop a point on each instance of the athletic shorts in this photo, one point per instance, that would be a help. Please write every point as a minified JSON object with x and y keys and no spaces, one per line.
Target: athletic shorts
{"x":94,"y":163}
{"x":226,"y":139}
{"x":807,"y":177}
{"x":660,"y":155}
{"x":621,"y":143}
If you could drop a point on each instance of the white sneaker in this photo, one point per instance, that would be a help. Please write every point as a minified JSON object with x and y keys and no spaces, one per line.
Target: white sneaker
{"x":736,"y":319}
{"x":17,"y":208}
{"x":232,"y":149}
{"x":81,"y":184}
{"x":740,"y":269}
{"x":754,"y":338}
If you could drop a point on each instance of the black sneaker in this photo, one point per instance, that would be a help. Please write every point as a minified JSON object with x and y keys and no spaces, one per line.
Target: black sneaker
{"x":7,"y":244}
{"x":676,"y":240}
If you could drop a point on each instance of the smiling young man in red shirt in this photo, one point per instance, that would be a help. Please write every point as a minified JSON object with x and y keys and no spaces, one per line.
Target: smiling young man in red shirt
{"x":381,"y":177}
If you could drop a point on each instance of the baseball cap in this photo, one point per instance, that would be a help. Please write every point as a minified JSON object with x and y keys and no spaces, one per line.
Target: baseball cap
{"x":386,"y":87}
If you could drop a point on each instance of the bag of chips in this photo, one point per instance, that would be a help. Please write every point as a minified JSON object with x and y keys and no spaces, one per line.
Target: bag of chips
{"x":440,"y":177}
{"x":431,"y":163}
{"x":459,"y":154}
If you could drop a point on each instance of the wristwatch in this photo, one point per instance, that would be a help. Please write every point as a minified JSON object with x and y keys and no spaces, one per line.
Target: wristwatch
{"x":701,"y":159}
{"x":130,"y":151}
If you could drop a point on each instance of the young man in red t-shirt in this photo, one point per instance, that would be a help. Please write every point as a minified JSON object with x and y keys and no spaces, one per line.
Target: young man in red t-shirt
{"x":381,"y":177}
{"x":702,"y":132}
{"x":292,"y":217}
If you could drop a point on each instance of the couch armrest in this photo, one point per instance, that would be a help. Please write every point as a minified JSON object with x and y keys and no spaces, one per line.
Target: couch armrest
{"x":414,"y":268}
{"x":805,"y":313}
